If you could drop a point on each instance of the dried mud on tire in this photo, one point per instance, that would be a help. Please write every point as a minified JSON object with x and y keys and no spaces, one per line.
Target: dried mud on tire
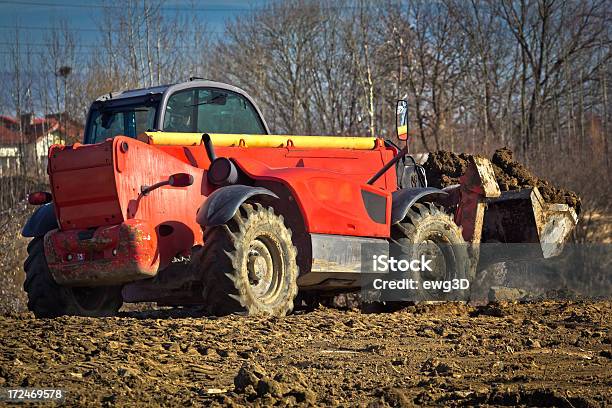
{"x":548,"y":353}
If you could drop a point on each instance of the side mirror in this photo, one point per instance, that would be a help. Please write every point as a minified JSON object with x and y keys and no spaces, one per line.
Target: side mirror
{"x":175,"y":180}
{"x":180,"y":180}
{"x":401,"y":119}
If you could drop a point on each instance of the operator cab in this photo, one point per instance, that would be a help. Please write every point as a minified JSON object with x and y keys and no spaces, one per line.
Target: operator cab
{"x":197,"y":106}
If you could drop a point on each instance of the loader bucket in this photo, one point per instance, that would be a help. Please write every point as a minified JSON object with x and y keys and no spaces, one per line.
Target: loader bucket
{"x":523,"y":217}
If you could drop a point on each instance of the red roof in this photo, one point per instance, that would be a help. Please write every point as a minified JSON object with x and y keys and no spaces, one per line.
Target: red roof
{"x":10,"y":119}
{"x":8,"y":136}
{"x":35,"y":128}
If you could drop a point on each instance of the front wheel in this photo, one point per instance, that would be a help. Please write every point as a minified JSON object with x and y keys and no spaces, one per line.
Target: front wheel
{"x":48,"y":299}
{"x":249,"y":264}
{"x":428,"y":233}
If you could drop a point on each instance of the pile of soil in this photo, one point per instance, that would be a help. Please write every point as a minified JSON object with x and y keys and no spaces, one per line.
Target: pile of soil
{"x":444,"y":169}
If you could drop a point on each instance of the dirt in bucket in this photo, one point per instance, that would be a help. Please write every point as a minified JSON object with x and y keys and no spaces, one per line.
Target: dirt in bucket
{"x":444,"y":168}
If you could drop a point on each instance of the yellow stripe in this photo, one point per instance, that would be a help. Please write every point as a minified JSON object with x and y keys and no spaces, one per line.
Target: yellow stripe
{"x":229,"y":140}
{"x":402,"y":130}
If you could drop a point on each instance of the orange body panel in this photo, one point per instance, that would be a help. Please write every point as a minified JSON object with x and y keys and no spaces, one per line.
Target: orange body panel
{"x":106,"y":191}
{"x":330,"y":201}
{"x":326,"y":183}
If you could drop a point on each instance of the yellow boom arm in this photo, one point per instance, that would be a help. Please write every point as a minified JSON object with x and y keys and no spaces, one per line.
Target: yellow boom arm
{"x":234,"y":140}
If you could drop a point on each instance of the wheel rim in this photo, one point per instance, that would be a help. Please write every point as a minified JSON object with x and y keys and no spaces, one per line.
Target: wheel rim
{"x":436,"y":249}
{"x":89,"y":299}
{"x":264,"y":268}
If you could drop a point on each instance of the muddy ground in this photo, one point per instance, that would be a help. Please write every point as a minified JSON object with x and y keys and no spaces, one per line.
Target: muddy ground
{"x":536,"y":354}
{"x":444,"y":169}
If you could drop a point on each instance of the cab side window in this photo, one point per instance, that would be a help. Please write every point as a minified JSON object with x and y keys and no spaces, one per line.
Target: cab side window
{"x":211,"y":110}
{"x":181,"y":111}
{"x":221,"y":111}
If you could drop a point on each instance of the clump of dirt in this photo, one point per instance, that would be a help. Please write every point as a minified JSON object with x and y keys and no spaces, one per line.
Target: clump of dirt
{"x":255,"y":383}
{"x":512,"y":175}
{"x":444,"y":169}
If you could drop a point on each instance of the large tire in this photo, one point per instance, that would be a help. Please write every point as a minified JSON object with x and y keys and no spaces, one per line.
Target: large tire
{"x":428,"y":229}
{"x":249,"y":264}
{"x":48,"y":299}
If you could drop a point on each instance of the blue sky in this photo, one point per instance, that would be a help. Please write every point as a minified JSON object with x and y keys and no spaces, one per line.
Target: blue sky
{"x":33,"y":16}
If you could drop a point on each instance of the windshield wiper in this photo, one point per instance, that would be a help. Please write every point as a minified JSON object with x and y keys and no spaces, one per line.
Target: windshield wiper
{"x":217,"y":100}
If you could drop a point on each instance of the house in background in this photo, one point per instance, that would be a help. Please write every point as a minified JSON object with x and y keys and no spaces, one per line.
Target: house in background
{"x":25,"y":141}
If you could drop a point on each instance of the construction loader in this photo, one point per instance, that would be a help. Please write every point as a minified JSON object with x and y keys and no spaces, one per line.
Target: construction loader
{"x":179,"y":195}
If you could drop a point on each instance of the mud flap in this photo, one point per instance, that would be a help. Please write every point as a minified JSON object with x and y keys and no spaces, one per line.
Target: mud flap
{"x":405,"y":198}
{"x":42,"y":221}
{"x":223,"y":203}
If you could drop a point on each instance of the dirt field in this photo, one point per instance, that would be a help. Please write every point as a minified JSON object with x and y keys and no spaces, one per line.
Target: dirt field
{"x":542,"y":354}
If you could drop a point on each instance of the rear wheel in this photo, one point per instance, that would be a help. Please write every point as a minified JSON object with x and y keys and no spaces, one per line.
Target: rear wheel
{"x":249,"y":264}
{"x":48,"y":299}
{"x":429,"y":233}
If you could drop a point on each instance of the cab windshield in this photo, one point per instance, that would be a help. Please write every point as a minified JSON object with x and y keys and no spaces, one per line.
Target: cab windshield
{"x":130,"y":118}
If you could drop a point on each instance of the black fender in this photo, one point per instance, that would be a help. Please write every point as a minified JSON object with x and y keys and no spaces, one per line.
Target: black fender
{"x":42,"y":221}
{"x":405,"y":198}
{"x":223,"y":203}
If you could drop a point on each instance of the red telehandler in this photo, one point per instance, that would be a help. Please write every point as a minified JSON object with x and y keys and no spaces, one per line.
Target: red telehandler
{"x":179,"y":195}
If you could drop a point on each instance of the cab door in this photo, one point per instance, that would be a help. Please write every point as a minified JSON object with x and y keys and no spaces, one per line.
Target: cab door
{"x":211,"y":110}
